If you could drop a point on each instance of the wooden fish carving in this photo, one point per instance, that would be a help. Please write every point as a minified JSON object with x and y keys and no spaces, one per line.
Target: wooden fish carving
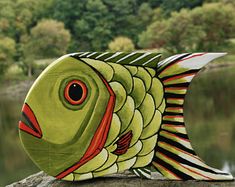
{"x":91,"y":114}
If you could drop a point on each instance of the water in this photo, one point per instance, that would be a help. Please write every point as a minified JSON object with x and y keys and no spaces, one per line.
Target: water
{"x":209,"y":113}
{"x":210,"y":117}
{"x":14,"y":163}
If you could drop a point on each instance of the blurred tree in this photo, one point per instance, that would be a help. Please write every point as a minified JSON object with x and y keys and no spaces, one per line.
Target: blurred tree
{"x":16,"y":17}
{"x":154,"y":36}
{"x":218,"y":22}
{"x":7,"y":17}
{"x":232,"y":2}
{"x":206,"y":28}
{"x":92,"y":30}
{"x":27,"y":14}
{"x":176,"y":5}
{"x":7,"y":51}
{"x":157,"y":15}
{"x":47,"y":39}
{"x":121,"y":44}
{"x":93,"y":23}
{"x":124,"y":18}
{"x":145,"y":14}
{"x":67,"y":11}
{"x":177,"y":34}
{"x":72,"y":17}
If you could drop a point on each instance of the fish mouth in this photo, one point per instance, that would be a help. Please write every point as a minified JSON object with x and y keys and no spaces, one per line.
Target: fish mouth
{"x":29,"y":123}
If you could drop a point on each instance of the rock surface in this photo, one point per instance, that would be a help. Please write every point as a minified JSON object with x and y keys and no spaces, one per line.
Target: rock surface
{"x":118,"y":180}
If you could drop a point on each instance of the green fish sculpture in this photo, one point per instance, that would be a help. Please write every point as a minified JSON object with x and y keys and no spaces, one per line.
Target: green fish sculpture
{"x":92,"y":114}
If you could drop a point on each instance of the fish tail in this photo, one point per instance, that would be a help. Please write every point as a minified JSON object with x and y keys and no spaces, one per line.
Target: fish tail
{"x":174,"y":156}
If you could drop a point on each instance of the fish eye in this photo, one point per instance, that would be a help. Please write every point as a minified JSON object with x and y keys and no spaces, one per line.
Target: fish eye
{"x":75,"y":92}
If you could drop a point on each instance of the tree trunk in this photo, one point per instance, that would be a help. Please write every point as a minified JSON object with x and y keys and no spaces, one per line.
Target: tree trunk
{"x":29,"y":71}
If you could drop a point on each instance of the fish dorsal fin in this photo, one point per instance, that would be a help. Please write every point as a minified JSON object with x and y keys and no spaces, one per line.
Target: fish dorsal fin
{"x":146,"y":59}
{"x":174,"y":156}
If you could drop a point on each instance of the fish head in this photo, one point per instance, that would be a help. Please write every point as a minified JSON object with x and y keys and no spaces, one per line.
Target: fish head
{"x":61,"y":114}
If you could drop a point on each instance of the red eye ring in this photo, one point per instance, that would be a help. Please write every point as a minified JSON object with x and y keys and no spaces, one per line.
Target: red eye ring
{"x":75,"y":92}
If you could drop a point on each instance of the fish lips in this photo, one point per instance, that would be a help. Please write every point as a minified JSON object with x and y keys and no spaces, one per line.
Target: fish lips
{"x":29,"y":123}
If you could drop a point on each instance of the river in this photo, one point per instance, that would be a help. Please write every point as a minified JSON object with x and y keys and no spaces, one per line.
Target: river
{"x":210,"y":121}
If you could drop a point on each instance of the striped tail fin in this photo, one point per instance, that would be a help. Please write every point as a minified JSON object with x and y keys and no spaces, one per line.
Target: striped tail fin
{"x":175,"y":157}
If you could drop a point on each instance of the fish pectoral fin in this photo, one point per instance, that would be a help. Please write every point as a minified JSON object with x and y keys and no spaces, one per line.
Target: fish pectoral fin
{"x":123,"y":143}
{"x":174,"y":156}
{"x":144,"y":172}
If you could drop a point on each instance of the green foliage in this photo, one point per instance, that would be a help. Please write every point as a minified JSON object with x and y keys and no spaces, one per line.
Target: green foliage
{"x":231,"y":2}
{"x":93,"y":26}
{"x":176,"y":5}
{"x":7,"y":51}
{"x":48,"y":38}
{"x":7,"y":16}
{"x":206,"y":28}
{"x":218,"y":22}
{"x":94,"y":23}
{"x":88,"y":23}
{"x":16,"y":17}
{"x":177,"y":34}
{"x":121,"y":44}
{"x":124,"y":18}
{"x":145,"y":15}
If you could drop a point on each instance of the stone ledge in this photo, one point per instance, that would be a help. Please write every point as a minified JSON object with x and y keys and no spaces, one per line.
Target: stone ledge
{"x":117,"y":180}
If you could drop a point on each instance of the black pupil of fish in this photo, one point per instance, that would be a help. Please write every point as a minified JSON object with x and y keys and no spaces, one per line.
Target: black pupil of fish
{"x":75,"y":92}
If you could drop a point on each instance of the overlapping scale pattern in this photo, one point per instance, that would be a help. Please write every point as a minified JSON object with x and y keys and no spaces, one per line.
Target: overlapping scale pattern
{"x":137,"y":109}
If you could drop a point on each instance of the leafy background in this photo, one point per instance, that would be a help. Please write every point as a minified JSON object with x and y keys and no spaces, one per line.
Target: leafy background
{"x":32,"y":30}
